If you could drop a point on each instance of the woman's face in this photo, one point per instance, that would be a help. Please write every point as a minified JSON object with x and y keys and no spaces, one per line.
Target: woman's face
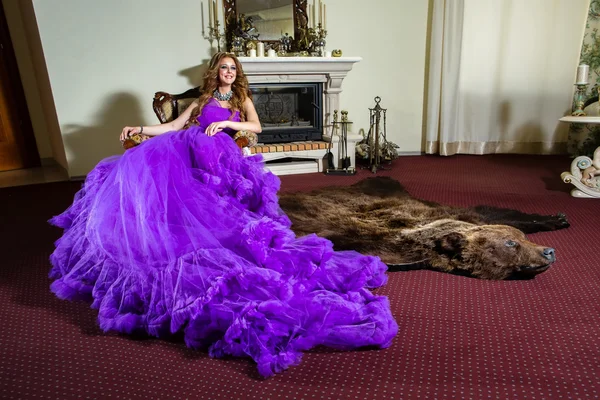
{"x":227,"y":71}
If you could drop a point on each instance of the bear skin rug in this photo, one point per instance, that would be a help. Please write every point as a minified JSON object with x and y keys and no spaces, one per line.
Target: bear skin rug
{"x":377,"y":216}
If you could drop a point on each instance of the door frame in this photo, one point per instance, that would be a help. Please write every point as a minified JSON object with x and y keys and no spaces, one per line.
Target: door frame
{"x":25,"y":138}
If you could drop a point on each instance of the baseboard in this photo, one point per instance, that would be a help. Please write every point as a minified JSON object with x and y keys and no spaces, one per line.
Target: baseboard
{"x":48,"y":162}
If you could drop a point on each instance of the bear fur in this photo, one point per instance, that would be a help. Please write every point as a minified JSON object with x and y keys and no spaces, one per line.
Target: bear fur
{"x":377,"y":216}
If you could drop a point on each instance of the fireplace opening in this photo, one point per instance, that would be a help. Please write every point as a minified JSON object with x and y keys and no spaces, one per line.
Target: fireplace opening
{"x":289,"y":112}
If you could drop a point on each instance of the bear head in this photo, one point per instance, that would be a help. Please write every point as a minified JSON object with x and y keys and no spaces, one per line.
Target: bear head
{"x":482,"y":251}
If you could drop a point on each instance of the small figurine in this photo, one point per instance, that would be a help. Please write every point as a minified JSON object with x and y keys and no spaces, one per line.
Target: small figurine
{"x":590,"y":169}
{"x":286,"y":44}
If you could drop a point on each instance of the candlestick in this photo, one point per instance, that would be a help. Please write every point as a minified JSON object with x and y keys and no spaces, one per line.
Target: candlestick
{"x":582,"y":74}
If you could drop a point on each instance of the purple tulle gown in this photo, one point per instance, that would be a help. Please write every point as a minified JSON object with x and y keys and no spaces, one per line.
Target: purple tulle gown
{"x":183,"y":234}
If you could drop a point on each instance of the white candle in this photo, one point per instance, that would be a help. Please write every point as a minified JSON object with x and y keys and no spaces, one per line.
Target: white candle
{"x":271,"y":53}
{"x":582,"y":74}
{"x":215,"y":12}
{"x":321,"y":13}
{"x":260,"y":49}
{"x":324,"y":17}
{"x":308,"y":14}
{"x":210,"y":14}
{"x":314,"y":7}
{"x":252,"y":52}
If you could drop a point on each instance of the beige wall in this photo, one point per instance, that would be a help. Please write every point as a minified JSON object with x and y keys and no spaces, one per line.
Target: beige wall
{"x":392,"y":43}
{"x":105,"y":59}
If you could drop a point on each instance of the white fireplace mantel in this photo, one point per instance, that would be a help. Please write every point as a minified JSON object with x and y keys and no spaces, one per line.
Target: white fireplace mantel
{"x":330,"y":71}
{"x":297,"y":65}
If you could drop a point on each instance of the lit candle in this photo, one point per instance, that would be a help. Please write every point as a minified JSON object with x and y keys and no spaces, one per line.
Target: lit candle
{"x":582,"y":74}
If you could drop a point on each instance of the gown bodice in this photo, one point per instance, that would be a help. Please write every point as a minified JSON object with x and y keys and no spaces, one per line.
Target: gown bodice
{"x":213,"y":111}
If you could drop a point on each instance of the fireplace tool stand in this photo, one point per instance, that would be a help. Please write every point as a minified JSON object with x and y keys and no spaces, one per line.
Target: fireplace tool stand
{"x":345,"y":167}
{"x":376,"y":138}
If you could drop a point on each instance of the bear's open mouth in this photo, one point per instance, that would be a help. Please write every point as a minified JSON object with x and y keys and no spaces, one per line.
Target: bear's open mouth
{"x":535,"y":268}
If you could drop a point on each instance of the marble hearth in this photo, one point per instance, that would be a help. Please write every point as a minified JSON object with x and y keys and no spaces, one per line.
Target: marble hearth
{"x":330,"y":71}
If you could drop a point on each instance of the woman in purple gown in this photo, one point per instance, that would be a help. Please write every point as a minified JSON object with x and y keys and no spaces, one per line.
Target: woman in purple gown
{"x":183,"y":234}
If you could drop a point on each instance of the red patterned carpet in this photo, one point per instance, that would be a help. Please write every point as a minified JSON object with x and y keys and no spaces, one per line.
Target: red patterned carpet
{"x":459,"y":337}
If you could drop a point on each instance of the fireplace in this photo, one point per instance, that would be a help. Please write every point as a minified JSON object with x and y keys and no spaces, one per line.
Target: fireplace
{"x":289,"y":112}
{"x":295,"y":98}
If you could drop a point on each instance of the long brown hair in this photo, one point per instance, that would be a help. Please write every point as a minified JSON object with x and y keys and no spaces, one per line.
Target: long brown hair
{"x":240,"y":88}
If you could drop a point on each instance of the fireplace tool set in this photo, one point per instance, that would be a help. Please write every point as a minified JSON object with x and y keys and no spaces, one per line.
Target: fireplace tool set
{"x":345,"y":167}
{"x":376,"y":141}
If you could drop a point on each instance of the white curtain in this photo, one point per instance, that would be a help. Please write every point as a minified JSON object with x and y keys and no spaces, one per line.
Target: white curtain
{"x":501,"y":74}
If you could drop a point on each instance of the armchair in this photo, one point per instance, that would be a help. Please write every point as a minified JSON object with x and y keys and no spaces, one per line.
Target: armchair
{"x":168,"y":106}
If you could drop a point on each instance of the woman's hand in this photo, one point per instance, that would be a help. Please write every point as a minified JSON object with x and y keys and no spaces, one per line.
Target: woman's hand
{"x":128,"y":131}
{"x":216,"y":127}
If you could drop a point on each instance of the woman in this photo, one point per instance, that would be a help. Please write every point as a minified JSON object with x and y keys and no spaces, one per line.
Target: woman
{"x":184,"y":234}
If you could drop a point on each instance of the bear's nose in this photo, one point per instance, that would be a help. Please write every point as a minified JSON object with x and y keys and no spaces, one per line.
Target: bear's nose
{"x":549,"y":253}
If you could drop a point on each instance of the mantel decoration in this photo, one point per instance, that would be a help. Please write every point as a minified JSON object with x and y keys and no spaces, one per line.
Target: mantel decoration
{"x":303,"y":34}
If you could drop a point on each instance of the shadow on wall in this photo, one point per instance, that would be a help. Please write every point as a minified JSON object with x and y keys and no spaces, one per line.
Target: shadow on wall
{"x":194,"y":74}
{"x":86,"y":145}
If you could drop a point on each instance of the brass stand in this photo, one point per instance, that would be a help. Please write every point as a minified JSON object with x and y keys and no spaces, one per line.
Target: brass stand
{"x":376,"y":137}
{"x":345,"y":162}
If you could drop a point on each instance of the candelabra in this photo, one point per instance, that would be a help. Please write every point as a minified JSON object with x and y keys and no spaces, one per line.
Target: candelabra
{"x":214,"y":33}
{"x":318,"y":41}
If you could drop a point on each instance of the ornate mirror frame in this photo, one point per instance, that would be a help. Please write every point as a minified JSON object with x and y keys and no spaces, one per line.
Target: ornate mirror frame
{"x":231,"y":21}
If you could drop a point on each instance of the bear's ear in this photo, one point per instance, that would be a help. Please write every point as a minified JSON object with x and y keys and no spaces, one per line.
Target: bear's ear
{"x":450,"y":244}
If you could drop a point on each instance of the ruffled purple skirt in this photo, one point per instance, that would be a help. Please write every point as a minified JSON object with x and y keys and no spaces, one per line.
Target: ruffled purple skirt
{"x":184,"y":234}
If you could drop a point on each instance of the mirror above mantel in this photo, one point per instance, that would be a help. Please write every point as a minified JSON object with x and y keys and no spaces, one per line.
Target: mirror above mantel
{"x":265,"y":20}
